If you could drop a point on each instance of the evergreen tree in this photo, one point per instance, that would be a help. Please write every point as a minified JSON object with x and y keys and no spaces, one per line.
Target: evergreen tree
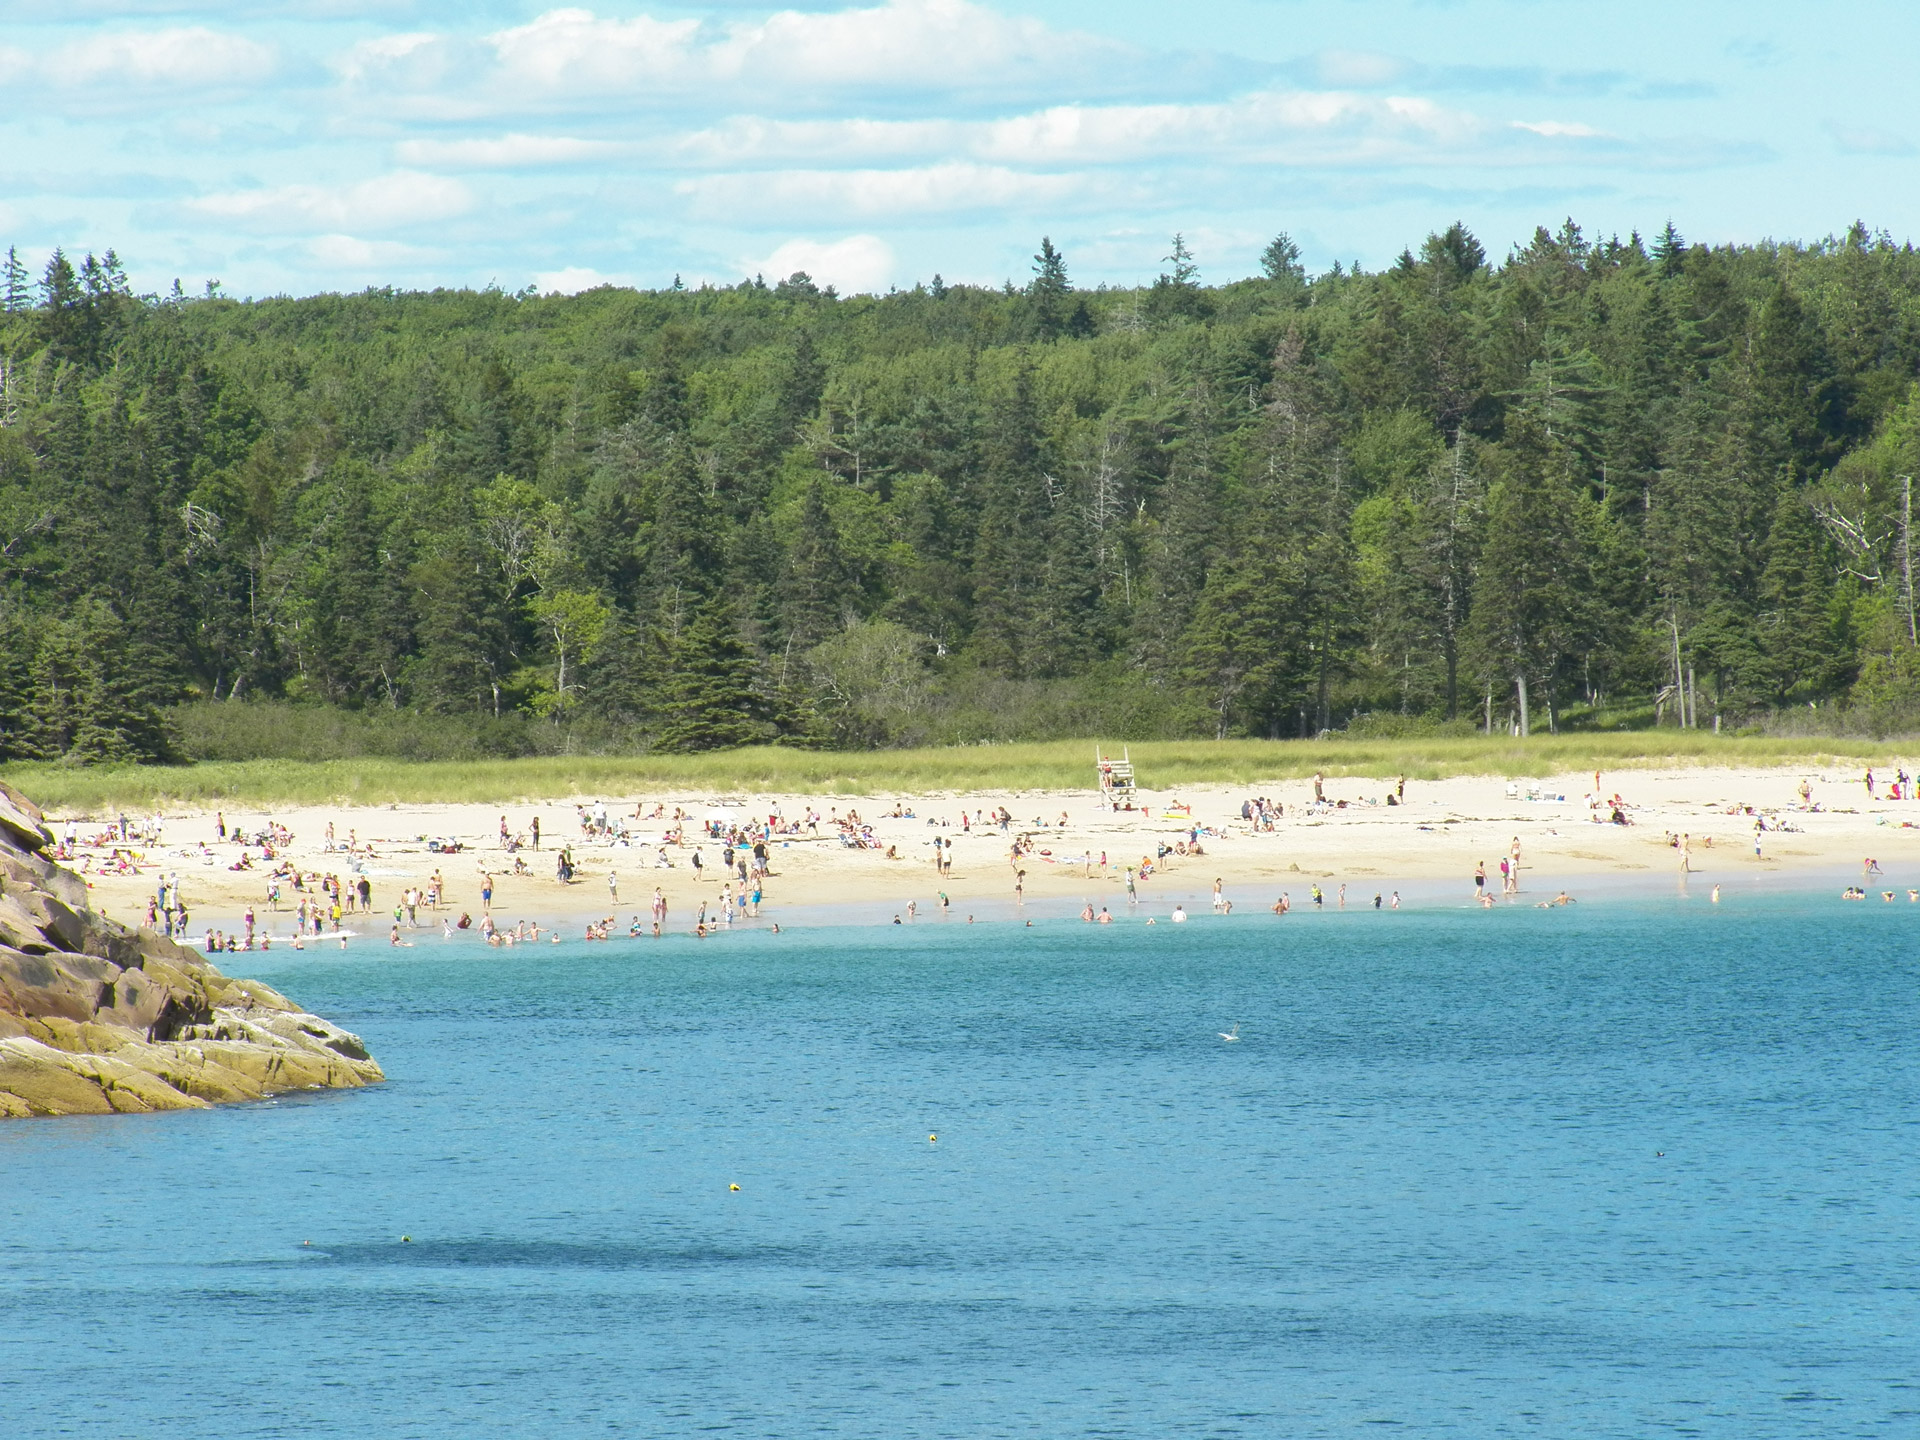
{"x":1797,"y":408}
{"x":1526,"y":602}
{"x":1798,"y":643}
{"x":1246,"y":655}
{"x":15,"y":294}
{"x":1010,"y":551}
{"x":1280,"y":261}
{"x":709,"y":700}
{"x":1049,"y":291}
{"x":815,"y":583}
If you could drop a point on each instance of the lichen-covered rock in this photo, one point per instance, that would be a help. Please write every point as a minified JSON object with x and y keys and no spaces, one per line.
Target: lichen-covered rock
{"x":97,"y":1018}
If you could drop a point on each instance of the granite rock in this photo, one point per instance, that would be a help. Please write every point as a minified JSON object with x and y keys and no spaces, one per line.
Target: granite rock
{"x":97,"y":1018}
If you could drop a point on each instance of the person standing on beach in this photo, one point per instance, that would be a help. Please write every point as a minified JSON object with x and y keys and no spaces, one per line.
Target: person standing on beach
{"x":1319,"y":786}
{"x":613,"y":886}
{"x":1869,"y":782}
{"x":1133,"y":897}
{"x":486,"y":896}
{"x":1480,"y":878}
{"x":536,"y":832}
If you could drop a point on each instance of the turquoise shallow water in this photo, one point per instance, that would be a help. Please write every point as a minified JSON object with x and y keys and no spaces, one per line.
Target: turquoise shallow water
{"x":1421,"y":1194}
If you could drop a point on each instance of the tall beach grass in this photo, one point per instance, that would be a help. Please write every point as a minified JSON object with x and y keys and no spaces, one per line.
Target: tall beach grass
{"x":1059,"y":765}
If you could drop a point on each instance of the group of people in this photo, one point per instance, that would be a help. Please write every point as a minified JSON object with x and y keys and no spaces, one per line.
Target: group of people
{"x":1900,"y":789}
{"x":1509,"y":875}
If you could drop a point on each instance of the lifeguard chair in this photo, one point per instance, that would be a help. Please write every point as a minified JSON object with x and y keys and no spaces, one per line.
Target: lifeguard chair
{"x":1116,"y":778}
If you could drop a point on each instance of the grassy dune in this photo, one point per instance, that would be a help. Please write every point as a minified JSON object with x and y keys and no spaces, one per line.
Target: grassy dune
{"x":1059,"y":765}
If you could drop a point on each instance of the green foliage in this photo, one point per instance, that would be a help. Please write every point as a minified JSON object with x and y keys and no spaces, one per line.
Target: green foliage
{"x":1164,"y":767}
{"x":692,"y":519}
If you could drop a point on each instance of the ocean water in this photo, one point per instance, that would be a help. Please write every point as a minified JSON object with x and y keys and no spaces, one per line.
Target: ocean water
{"x":1424,"y":1193}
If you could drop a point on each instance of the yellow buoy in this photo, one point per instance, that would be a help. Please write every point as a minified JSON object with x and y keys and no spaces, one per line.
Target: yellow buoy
{"x":406,"y":1239}
{"x":932,"y":1138}
{"x":733,"y":1187}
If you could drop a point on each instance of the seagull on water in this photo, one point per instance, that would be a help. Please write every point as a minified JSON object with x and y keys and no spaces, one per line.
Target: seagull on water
{"x":1231,"y":1035}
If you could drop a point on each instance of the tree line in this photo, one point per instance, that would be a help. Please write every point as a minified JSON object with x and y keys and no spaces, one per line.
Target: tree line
{"x":1597,"y":482}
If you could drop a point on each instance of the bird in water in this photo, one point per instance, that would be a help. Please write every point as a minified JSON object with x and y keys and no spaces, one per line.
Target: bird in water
{"x":1231,"y":1035}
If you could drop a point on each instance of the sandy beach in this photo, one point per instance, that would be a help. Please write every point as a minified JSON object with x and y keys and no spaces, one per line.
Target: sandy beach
{"x":1076,"y":850}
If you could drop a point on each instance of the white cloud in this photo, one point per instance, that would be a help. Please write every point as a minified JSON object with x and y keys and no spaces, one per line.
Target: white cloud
{"x":576,"y":49}
{"x":192,"y":58}
{"x":941,"y":44}
{"x":349,"y":252}
{"x":1359,"y":67}
{"x":1316,"y":127}
{"x":384,"y":50}
{"x":506,"y":152}
{"x":878,"y":194}
{"x":392,"y":201}
{"x":859,"y":264}
{"x":573,"y":56}
{"x":574,"y":279}
{"x":1560,"y":129}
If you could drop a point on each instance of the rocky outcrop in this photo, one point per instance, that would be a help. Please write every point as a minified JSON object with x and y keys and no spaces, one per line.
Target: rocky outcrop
{"x":96,"y":1017}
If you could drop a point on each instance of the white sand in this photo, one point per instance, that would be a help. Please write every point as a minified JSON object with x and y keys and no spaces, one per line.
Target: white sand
{"x":1431,"y":843}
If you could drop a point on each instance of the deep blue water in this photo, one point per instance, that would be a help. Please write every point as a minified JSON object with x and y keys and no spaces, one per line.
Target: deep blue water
{"x":1422,"y":1192}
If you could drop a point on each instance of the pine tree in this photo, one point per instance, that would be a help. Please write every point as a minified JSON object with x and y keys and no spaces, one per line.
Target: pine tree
{"x":1176,"y":292}
{"x":1280,"y":261}
{"x":1526,"y":600}
{"x":1796,"y":631}
{"x":1670,"y":252}
{"x":1797,"y":409}
{"x":709,"y":700}
{"x":1009,"y":559}
{"x":15,"y":294}
{"x":1048,"y":291}
{"x":815,"y":582}
{"x":1245,"y":651}
{"x":800,"y":389}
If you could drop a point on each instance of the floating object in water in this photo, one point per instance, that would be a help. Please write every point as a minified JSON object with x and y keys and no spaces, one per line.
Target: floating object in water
{"x":932,"y":1138}
{"x":1231,"y":1035}
{"x":406,"y":1239}
{"x":733,"y":1187}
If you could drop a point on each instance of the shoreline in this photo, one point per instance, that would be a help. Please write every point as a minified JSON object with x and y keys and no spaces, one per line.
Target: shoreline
{"x":1416,"y":895}
{"x":1424,"y":848}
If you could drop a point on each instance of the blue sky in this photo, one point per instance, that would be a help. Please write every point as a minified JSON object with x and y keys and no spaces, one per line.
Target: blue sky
{"x":291,"y":146}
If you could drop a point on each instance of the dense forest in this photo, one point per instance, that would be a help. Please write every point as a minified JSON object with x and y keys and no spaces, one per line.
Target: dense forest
{"x":1597,"y":483}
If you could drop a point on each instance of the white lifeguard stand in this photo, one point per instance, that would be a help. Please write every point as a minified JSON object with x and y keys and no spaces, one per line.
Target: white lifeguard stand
{"x":1116,"y":777}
